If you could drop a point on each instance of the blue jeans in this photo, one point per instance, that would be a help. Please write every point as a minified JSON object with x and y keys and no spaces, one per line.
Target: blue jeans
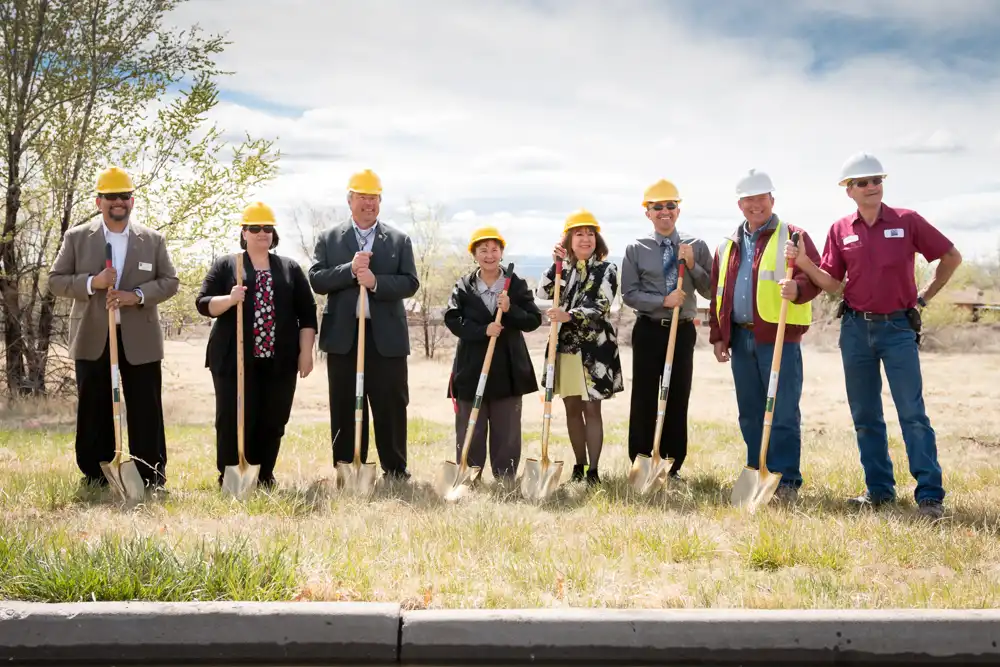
{"x":751,"y":363}
{"x":863,"y":346}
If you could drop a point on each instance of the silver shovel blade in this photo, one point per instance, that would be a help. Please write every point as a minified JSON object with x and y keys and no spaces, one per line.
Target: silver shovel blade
{"x":452,"y":482}
{"x":744,"y":487}
{"x":754,"y":489}
{"x":240,"y":483}
{"x":358,"y":479}
{"x":135,"y":488}
{"x":112,"y":473}
{"x":540,"y":481}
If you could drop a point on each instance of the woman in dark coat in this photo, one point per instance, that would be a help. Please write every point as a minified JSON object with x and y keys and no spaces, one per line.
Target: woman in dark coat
{"x":279,"y":329}
{"x":588,"y":368}
{"x":470,"y":315}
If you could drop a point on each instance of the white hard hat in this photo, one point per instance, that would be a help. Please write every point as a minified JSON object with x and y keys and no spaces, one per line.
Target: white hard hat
{"x":861,"y":165}
{"x":754,"y":183}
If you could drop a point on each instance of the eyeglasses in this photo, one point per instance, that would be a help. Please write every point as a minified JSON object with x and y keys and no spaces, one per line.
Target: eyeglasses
{"x":257,"y":229}
{"x":863,"y":183}
{"x":117,"y":196}
{"x":670,"y":206}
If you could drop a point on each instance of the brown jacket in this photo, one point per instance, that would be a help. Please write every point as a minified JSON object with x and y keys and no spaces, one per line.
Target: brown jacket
{"x":147,"y":267}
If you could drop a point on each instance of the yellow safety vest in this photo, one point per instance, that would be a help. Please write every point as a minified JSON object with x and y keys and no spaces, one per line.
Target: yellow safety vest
{"x":768,"y":275}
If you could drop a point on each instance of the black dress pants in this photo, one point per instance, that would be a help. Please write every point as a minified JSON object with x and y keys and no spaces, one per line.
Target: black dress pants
{"x":649,"y":352}
{"x":141,"y":387}
{"x":268,"y":394}
{"x":387,"y":394}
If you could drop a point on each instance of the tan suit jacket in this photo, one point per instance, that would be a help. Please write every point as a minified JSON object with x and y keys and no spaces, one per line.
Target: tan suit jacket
{"x":147,"y":267}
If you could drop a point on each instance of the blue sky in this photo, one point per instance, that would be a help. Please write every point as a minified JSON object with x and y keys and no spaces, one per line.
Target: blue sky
{"x":516,"y":113}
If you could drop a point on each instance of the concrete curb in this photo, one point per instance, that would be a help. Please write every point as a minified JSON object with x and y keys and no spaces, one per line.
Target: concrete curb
{"x":204,"y":631}
{"x":703,"y":636}
{"x":372,"y":633}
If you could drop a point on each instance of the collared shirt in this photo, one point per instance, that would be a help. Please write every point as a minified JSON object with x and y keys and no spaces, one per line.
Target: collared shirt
{"x":743,"y":295}
{"x":878,"y":260}
{"x":644,"y":285}
{"x":119,"y":248}
{"x":490,"y":294}
{"x":365,"y":239}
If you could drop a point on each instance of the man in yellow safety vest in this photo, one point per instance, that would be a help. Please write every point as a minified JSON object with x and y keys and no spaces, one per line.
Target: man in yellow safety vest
{"x":748,"y":285}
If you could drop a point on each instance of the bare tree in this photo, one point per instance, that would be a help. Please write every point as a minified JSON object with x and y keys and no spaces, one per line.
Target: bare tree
{"x":439,"y":265}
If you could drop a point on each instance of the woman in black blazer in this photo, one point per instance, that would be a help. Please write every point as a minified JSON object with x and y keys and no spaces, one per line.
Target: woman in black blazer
{"x":470,"y":316}
{"x":279,"y":330}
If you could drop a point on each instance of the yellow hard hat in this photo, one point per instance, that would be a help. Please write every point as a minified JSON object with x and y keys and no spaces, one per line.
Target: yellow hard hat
{"x":581,"y":218}
{"x":113,"y":179}
{"x":662,"y":190}
{"x":484,"y":234}
{"x":365,"y":182}
{"x":258,"y":213}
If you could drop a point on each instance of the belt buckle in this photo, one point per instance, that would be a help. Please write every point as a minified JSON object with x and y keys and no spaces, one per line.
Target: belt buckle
{"x":867,"y":317}
{"x":664,"y":322}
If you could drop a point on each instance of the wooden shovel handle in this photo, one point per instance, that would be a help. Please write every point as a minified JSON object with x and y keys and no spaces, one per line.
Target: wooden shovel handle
{"x":240,"y":361}
{"x":772,"y":389}
{"x":359,"y":390}
{"x":667,"y":368}
{"x":115,"y":383}
{"x":551,"y":367}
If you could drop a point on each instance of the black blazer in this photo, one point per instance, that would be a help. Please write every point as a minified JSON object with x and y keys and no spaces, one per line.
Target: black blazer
{"x":294,"y":309}
{"x":396,"y":275}
{"x":511,"y":372}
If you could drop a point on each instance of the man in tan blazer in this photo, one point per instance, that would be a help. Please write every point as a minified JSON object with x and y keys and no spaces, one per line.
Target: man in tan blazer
{"x":141,"y":276}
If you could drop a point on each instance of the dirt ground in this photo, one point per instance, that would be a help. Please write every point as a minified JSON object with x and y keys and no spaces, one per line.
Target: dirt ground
{"x":962,"y":391}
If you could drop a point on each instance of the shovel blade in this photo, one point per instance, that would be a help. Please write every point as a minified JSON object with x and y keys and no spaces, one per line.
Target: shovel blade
{"x":753,"y":490}
{"x":112,"y":473}
{"x":357,"y":478}
{"x":453,"y":481}
{"x":540,"y":480}
{"x":240,"y":483}
{"x":135,"y":488}
{"x":648,"y":476}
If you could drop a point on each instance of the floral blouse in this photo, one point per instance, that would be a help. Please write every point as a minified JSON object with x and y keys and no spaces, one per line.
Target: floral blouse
{"x":263,"y":315}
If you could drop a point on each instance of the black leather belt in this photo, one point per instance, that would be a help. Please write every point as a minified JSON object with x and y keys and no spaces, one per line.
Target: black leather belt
{"x":874,"y":317}
{"x":665,"y":321}
{"x":744,"y":325}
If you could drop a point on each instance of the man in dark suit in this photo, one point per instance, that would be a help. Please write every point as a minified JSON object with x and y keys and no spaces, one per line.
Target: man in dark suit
{"x":141,"y":277}
{"x":365,"y":252}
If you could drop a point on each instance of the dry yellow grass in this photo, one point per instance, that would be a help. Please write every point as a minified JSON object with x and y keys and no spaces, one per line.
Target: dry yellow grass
{"x":604,"y":547}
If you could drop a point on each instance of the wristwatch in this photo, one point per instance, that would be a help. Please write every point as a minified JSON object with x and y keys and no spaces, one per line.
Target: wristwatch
{"x":921,"y":302}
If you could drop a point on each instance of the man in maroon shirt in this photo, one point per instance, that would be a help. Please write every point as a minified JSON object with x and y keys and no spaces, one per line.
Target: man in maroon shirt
{"x":874,"y":249}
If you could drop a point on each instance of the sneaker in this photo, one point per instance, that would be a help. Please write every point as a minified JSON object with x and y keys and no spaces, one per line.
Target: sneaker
{"x":593,"y":478}
{"x":865,"y":500}
{"x":578,"y":472}
{"x":933,"y":509}
{"x":786,"y":494}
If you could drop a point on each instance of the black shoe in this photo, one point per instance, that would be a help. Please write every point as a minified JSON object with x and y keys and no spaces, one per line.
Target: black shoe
{"x":267,"y":483}
{"x":932,"y":509}
{"x":593,"y":479}
{"x":396,"y":475}
{"x":578,"y":472}
{"x":94,"y":482}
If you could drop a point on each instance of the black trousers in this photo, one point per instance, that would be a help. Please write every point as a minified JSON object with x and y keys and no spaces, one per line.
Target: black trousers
{"x":141,"y":386}
{"x":649,"y":352}
{"x":268,"y":394}
{"x":386,"y":393}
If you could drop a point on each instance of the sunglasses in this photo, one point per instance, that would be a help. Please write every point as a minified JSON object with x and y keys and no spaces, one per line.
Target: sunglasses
{"x":117,"y":196}
{"x":863,"y":183}
{"x":670,"y":206}
{"x":257,"y":229}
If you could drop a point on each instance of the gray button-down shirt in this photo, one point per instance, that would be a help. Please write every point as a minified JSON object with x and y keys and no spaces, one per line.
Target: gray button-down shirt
{"x":490,"y":294}
{"x":743,"y":290}
{"x":643,"y":284}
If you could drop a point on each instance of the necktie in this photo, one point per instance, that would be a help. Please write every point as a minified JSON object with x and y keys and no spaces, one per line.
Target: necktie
{"x":669,"y":266}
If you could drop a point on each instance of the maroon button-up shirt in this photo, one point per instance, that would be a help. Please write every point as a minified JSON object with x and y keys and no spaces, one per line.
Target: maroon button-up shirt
{"x":878,"y":260}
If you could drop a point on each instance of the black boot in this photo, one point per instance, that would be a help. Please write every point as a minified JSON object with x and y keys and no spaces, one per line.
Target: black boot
{"x":577,"y":472}
{"x":592,"y":477}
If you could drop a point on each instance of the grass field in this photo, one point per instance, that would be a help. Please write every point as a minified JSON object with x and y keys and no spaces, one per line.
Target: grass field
{"x":586,"y":547}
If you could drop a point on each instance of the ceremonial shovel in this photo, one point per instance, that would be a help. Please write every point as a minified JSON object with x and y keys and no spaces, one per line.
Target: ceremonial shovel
{"x":358,"y":477}
{"x":453,"y":479}
{"x":755,"y":488}
{"x":649,"y":474}
{"x":239,"y":480}
{"x":124,"y":477}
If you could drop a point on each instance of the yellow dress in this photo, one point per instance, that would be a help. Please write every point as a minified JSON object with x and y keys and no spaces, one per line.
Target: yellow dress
{"x":571,"y":377}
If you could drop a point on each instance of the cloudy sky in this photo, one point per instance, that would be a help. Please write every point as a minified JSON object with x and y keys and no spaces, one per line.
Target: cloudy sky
{"x":518,"y":112}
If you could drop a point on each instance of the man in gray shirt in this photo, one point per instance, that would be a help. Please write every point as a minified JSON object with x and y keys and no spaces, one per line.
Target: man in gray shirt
{"x":649,"y":286}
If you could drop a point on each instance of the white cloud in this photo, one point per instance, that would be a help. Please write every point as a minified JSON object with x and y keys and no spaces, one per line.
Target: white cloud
{"x":509,"y":114}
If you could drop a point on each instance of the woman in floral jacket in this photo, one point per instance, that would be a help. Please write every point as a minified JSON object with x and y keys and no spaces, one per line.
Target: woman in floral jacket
{"x":588,"y":369}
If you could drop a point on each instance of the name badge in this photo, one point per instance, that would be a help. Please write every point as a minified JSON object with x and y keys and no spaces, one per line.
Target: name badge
{"x":850,"y":239}
{"x":894,"y":233}
{"x":145,"y":266}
